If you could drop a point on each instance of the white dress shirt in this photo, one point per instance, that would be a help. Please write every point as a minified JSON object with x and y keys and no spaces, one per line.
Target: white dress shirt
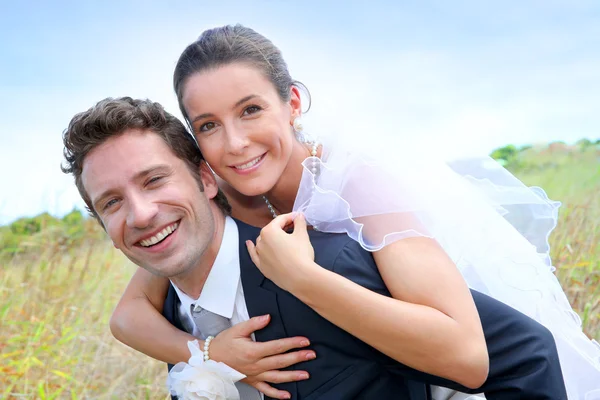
{"x":222,"y":292}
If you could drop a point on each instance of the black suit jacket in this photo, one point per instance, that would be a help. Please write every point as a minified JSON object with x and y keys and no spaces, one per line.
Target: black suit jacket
{"x":345,"y":367}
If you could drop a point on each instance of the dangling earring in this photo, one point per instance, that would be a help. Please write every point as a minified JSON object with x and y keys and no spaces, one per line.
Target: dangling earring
{"x":299,"y":129}
{"x":297,"y":125}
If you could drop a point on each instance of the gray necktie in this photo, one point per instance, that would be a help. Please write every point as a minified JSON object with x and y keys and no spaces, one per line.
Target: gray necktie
{"x":211,"y":324}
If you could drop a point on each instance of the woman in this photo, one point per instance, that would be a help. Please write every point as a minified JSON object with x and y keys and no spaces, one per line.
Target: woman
{"x":241,"y":112}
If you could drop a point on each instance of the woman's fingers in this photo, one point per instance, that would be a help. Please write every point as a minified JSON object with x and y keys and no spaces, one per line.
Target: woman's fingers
{"x":253,"y":253}
{"x":270,"y":391}
{"x":283,"y":220}
{"x":283,"y":376}
{"x":285,"y":360}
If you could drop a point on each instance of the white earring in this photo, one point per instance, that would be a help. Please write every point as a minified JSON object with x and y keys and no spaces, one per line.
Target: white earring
{"x":297,"y":125}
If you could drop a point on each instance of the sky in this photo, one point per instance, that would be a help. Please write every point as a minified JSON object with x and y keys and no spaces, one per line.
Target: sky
{"x":465,"y":76}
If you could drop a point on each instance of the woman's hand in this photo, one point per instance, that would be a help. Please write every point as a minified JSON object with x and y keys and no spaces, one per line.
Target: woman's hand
{"x":284,"y":258}
{"x":261,"y":361}
{"x":138,"y":323}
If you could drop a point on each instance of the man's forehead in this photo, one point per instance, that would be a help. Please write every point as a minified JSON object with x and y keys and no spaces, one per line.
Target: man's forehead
{"x":122,"y":157}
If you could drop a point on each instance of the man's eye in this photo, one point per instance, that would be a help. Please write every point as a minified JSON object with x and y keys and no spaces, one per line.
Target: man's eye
{"x":251,"y":110}
{"x":207,"y":127}
{"x":110,"y":203}
{"x":154,"y":179}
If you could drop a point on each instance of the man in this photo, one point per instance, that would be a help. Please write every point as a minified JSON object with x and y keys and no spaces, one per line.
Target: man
{"x":143,"y":178}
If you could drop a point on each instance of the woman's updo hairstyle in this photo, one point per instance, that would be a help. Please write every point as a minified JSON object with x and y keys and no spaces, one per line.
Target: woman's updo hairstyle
{"x":233,"y":44}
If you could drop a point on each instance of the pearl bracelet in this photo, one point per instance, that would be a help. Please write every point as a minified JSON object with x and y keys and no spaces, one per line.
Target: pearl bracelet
{"x":206,"y":345}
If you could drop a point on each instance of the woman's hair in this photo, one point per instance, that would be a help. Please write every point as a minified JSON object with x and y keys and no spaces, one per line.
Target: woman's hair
{"x":233,"y":44}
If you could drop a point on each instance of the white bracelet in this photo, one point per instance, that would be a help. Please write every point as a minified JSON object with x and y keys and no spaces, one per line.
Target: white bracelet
{"x":206,"y":345}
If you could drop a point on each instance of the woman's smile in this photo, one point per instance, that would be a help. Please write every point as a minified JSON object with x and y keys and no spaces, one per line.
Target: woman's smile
{"x":249,"y":166}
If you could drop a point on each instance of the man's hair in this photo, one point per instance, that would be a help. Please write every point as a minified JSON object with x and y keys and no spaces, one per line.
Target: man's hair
{"x":112,"y":117}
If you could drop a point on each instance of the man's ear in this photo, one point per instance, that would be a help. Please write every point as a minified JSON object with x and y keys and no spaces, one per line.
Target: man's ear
{"x":208,"y":180}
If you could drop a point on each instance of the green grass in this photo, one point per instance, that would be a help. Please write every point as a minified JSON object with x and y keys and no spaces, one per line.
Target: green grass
{"x":56,"y":298}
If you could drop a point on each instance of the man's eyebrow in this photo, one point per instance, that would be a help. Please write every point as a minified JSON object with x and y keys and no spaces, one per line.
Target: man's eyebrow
{"x":150,"y":170}
{"x":137,"y":176}
{"x":237,"y":104}
{"x":102,"y":196}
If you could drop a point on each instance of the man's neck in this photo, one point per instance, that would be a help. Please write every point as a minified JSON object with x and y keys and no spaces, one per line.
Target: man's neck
{"x":191,"y":282}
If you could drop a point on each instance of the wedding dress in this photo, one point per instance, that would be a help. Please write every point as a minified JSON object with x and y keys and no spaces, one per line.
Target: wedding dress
{"x":493,"y":227}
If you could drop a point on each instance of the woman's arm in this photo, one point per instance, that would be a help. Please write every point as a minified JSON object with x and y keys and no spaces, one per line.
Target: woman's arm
{"x":431,"y":324}
{"x":137,"y":322}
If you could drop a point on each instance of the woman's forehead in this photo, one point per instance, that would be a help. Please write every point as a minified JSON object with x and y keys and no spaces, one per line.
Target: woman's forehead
{"x":234,"y":77}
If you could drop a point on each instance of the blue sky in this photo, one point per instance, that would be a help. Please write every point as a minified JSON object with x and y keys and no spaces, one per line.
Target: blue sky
{"x":467,"y":75}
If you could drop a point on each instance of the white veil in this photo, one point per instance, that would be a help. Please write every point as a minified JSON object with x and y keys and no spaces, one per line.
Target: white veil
{"x":494,"y":228}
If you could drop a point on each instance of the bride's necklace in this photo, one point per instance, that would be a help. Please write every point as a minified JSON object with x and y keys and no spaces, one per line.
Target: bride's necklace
{"x":314,"y":169}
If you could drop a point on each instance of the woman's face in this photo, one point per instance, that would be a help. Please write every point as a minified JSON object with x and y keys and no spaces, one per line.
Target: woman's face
{"x":241,"y":124}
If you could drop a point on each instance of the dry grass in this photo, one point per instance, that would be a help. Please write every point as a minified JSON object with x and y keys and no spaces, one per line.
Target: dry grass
{"x":55,"y":342}
{"x":55,"y":303}
{"x":574,"y":179}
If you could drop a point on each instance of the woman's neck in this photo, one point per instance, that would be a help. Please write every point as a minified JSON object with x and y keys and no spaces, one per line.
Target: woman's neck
{"x":283,"y":194}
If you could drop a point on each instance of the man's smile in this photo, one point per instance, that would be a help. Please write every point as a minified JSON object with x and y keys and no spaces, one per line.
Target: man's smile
{"x":159,"y":237}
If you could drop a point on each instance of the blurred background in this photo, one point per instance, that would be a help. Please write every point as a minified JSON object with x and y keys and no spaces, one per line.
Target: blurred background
{"x":517,"y":80}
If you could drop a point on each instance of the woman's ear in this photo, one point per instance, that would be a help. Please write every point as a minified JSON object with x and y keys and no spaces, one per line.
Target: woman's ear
{"x":295,"y":103}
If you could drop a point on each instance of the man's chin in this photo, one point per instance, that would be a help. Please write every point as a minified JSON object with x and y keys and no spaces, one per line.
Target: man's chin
{"x":165,"y":271}
{"x":154,"y":269}
{"x":166,"y":267}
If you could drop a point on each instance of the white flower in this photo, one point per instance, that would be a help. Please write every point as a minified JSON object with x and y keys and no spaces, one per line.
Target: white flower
{"x":203,"y":380}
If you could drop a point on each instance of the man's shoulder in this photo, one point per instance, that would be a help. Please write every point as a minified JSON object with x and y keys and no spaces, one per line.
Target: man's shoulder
{"x":245,"y":231}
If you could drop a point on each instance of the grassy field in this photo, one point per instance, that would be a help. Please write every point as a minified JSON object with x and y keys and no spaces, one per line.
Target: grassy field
{"x":55,"y":342}
{"x":573,"y":177}
{"x":56,"y":300}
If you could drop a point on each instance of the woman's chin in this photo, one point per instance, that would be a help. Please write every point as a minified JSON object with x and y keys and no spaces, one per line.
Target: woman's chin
{"x":253,"y":190}
{"x":250,"y":186}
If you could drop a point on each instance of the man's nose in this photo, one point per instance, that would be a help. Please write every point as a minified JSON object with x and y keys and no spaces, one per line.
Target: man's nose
{"x":141,"y":212}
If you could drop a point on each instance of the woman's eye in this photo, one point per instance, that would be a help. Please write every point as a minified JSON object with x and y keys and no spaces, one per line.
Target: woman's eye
{"x":207,"y":127}
{"x":251,"y":110}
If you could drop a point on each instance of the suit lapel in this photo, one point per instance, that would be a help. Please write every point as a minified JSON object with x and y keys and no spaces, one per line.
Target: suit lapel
{"x":260,"y":301}
{"x":171,"y":308}
{"x":171,"y":313}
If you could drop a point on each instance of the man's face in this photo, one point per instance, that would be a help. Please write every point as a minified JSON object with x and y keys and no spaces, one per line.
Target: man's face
{"x":150,"y":202}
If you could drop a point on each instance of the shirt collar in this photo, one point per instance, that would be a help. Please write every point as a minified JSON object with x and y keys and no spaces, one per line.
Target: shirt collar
{"x":220,"y":289}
